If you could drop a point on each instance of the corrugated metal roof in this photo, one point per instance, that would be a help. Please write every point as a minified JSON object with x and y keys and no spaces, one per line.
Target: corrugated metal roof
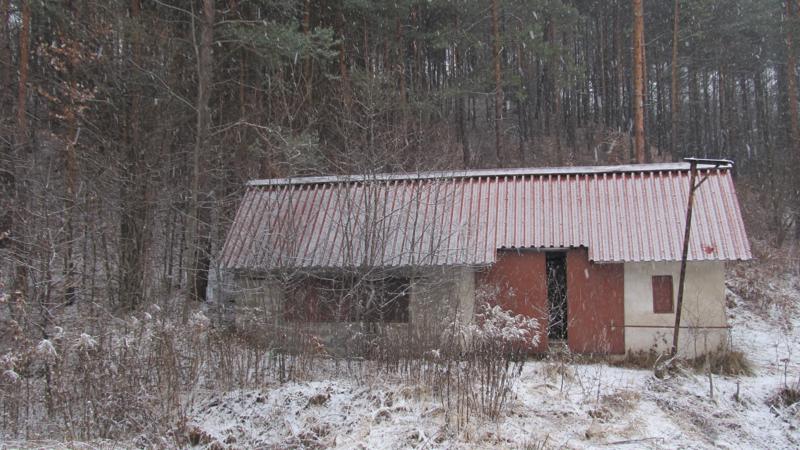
{"x":620,"y":213}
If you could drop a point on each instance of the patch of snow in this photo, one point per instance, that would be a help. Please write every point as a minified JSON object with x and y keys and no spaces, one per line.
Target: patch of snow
{"x":46,"y":350}
{"x":554,"y":403}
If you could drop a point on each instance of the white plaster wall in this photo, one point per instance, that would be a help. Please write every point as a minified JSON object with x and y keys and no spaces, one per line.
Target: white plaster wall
{"x":703,"y":308}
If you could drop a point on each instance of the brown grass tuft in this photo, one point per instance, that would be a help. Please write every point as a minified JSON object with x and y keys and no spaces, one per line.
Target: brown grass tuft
{"x":638,"y":360}
{"x":723,"y":362}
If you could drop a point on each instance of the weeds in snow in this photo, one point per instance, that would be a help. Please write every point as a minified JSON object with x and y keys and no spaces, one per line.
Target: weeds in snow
{"x":141,"y":376}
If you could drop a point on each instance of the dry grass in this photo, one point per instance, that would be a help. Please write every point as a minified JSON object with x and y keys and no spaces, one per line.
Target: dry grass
{"x":786,"y":397}
{"x":723,"y":362}
{"x":638,"y":360}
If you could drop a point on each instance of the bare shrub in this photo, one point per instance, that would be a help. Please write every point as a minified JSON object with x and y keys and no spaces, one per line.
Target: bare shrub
{"x":498,"y":345}
{"x":129,"y":377}
{"x":472,"y":367}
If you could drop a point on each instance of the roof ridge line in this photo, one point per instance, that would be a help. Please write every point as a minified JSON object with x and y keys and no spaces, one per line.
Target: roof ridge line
{"x":450,"y":174}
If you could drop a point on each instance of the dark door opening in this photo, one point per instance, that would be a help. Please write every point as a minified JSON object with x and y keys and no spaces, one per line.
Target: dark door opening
{"x":556,"y":271}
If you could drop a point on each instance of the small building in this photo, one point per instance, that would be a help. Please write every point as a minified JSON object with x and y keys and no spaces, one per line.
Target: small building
{"x":593,"y":253}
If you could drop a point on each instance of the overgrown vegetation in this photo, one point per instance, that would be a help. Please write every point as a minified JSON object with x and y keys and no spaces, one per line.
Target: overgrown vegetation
{"x":139,"y":375}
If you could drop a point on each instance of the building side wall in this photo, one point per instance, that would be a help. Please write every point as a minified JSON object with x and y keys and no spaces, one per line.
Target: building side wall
{"x":439,"y":298}
{"x":703,"y":322}
{"x":256,"y":301}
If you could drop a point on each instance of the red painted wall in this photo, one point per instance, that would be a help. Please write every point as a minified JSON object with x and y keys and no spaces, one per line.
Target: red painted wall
{"x":521,"y":286}
{"x":595,"y":305}
{"x":595,"y":297}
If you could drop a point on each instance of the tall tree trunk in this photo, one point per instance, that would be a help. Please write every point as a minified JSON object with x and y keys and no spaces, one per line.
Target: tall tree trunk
{"x":724,"y":107}
{"x":199,"y":229}
{"x":133,"y":196}
{"x":70,"y":183}
{"x":24,"y":57}
{"x":6,"y":151}
{"x":792,"y":16}
{"x":343,"y":74}
{"x":658,"y":113}
{"x":762,"y":115}
{"x":646,"y":103}
{"x":71,"y":112}
{"x":307,"y":74}
{"x":5,"y":55}
{"x":708,"y":126}
{"x":460,"y":107}
{"x":605,"y":110}
{"x":521,"y":119}
{"x":401,"y":63}
{"x":674,"y":90}
{"x":638,"y":81}
{"x":619,"y":74}
{"x":547,"y":86}
{"x":21,"y":141}
{"x":693,"y":144}
{"x":791,"y":78}
{"x":498,"y":80}
{"x":744,"y":118}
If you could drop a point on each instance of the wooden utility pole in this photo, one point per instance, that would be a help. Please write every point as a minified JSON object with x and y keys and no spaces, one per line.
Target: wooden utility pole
{"x":638,"y":80}
{"x":498,"y":79}
{"x":684,"y":256}
{"x":693,"y":162}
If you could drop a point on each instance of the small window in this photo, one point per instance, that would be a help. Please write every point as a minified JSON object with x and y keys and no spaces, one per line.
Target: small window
{"x":348,"y":300}
{"x":662,"y":294}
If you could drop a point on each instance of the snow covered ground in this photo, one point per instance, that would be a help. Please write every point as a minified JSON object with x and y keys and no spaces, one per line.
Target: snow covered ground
{"x":596,"y":406}
{"x":555,"y":403}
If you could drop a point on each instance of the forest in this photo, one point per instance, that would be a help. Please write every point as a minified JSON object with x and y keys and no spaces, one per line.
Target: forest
{"x":129,"y":128}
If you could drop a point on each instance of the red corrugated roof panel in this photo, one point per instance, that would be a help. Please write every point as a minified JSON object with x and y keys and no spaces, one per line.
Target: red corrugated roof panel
{"x":620,"y":213}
